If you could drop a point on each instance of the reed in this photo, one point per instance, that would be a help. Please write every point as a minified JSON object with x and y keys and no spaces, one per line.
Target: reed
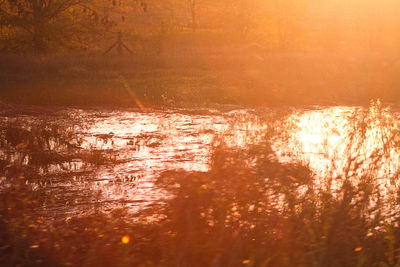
{"x":249,"y":209}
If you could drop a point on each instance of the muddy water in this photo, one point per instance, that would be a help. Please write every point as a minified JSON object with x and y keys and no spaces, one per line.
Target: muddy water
{"x":141,"y":145}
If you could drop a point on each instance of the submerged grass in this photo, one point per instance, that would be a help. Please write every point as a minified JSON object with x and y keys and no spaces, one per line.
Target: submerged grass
{"x":249,"y":209}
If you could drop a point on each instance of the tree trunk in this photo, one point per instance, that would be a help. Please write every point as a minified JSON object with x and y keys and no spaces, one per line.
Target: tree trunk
{"x":193,"y":10}
{"x":37,"y":26}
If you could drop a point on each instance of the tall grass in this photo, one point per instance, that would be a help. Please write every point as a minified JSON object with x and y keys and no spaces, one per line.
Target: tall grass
{"x":249,"y":209}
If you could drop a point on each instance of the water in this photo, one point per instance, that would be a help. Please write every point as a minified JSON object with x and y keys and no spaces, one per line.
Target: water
{"x":139,"y":145}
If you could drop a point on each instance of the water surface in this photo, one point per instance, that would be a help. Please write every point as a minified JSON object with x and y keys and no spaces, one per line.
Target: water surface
{"x":141,"y":145}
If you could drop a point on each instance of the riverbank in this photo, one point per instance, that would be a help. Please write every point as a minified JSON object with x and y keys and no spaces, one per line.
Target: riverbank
{"x":198,"y":78}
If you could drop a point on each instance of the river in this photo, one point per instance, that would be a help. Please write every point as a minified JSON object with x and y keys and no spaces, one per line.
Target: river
{"x":134,"y":147}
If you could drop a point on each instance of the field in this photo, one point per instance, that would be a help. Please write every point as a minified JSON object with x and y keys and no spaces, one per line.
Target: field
{"x":246,"y":75}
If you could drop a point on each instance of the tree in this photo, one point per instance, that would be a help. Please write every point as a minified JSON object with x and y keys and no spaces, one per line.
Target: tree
{"x":45,"y":24}
{"x":193,"y":7}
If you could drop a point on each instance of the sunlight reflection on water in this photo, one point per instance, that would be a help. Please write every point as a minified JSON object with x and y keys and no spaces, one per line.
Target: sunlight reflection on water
{"x":340,"y":142}
{"x":144,"y":144}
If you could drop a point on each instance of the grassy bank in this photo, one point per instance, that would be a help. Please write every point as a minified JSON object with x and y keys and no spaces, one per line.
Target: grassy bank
{"x":246,"y":75}
{"x":104,"y":81}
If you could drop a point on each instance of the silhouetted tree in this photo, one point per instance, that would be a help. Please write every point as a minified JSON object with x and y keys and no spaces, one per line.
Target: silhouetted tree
{"x":41,"y":24}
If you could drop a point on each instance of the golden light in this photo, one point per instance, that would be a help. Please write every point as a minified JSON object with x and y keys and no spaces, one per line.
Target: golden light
{"x":125,"y":239}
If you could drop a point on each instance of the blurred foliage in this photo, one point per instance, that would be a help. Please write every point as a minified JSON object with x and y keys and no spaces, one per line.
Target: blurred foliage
{"x":40,"y":26}
{"x":307,"y":25}
{"x":248,"y":209}
{"x":252,"y":52}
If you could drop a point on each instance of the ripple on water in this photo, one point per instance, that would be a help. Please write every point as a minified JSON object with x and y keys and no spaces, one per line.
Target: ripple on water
{"x":141,"y":145}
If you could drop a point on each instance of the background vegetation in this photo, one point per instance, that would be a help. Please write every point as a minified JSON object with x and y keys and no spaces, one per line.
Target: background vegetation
{"x":178,"y":51}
